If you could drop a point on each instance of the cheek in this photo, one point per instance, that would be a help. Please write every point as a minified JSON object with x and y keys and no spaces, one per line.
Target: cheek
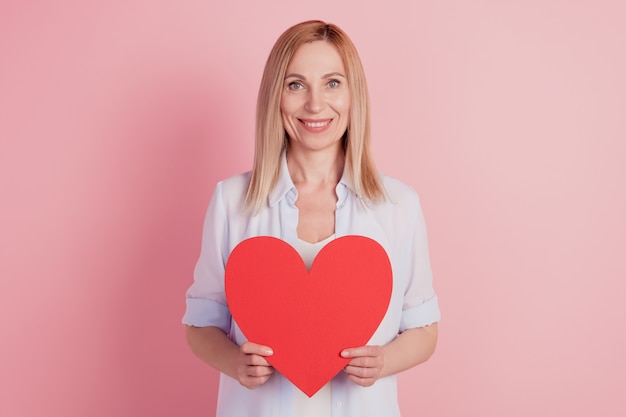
{"x":288,"y":105}
{"x":286,"y":111}
{"x":342,"y":104}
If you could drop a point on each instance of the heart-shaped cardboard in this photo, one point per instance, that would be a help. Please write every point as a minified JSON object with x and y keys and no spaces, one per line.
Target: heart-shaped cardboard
{"x":308,"y":318}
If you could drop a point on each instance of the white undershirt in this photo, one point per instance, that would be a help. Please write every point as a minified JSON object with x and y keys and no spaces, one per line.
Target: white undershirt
{"x":320,"y":404}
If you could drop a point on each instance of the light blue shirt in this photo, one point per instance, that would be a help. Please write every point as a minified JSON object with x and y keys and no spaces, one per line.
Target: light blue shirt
{"x":397,"y":224}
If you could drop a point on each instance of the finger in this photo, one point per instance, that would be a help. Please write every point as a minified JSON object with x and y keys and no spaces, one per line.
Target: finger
{"x":364,"y":382}
{"x":366,"y":362}
{"x":360,"y":372}
{"x":364,"y":377}
{"x":255,"y":360}
{"x":252,"y":376}
{"x":259,"y":371}
{"x":360,"y":351}
{"x":256,"y":349}
{"x":254,"y":382}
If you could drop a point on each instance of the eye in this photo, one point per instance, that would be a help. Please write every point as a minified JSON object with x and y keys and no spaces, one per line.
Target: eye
{"x":295,"y":85}
{"x":334,"y":83}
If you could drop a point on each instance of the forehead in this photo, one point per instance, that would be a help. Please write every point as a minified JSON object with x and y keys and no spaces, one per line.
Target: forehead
{"x":322,"y":55}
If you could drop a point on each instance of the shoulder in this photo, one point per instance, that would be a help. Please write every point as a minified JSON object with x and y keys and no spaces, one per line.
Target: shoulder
{"x":400,"y":214}
{"x":232,"y":190}
{"x":398,"y":193}
{"x":236,"y":184}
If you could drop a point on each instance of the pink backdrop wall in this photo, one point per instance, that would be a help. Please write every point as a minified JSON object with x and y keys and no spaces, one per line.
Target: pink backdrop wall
{"x":118,"y":117}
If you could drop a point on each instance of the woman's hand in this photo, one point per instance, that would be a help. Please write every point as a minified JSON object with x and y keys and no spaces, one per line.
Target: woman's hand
{"x":366,"y":365}
{"x":410,"y":348}
{"x":253,"y":369}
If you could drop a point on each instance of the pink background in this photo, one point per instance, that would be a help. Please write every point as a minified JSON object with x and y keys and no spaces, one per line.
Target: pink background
{"x":118,"y":117}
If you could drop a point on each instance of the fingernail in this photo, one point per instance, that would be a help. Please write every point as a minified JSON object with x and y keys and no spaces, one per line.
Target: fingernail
{"x":268,"y":351}
{"x":344,"y":353}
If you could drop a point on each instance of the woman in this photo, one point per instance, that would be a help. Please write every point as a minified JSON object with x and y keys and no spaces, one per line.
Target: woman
{"x":314,"y":180}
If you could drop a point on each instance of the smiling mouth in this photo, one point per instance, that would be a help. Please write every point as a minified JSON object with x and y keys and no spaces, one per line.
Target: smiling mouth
{"x":316,"y":124}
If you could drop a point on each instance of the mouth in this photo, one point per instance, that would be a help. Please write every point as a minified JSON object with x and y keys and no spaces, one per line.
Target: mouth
{"x":315,"y":125}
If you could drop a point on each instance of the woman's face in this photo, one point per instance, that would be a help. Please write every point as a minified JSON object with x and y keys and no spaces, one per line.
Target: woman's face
{"x":315,"y":103}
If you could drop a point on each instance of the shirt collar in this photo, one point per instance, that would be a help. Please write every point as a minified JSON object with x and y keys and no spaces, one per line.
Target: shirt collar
{"x":284,"y":185}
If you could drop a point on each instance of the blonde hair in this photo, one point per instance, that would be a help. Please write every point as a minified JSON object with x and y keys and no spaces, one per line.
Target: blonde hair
{"x":271,"y":138}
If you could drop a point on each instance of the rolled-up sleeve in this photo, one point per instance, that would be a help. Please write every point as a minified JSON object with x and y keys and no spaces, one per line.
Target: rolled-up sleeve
{"x":421,"y":306}
{"x":423,"y":314}
{"x":205,"y":299}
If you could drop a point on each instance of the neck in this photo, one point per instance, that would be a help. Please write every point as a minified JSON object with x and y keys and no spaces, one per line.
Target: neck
{"x":315,"y":168}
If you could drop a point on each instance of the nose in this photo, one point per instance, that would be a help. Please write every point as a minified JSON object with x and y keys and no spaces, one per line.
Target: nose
{"x":315,"y":101}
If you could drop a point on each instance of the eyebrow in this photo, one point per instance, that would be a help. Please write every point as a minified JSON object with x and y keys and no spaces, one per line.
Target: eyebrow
{"x":329,"y":75}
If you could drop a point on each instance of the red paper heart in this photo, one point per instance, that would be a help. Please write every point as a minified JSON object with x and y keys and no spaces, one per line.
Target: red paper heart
{"x":308,"y":318}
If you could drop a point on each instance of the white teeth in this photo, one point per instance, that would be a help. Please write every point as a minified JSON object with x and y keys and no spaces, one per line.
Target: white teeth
{"x":317,"y":124}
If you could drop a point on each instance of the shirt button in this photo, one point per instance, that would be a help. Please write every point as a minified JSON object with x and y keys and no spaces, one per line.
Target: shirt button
{"x":338,"y":404}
